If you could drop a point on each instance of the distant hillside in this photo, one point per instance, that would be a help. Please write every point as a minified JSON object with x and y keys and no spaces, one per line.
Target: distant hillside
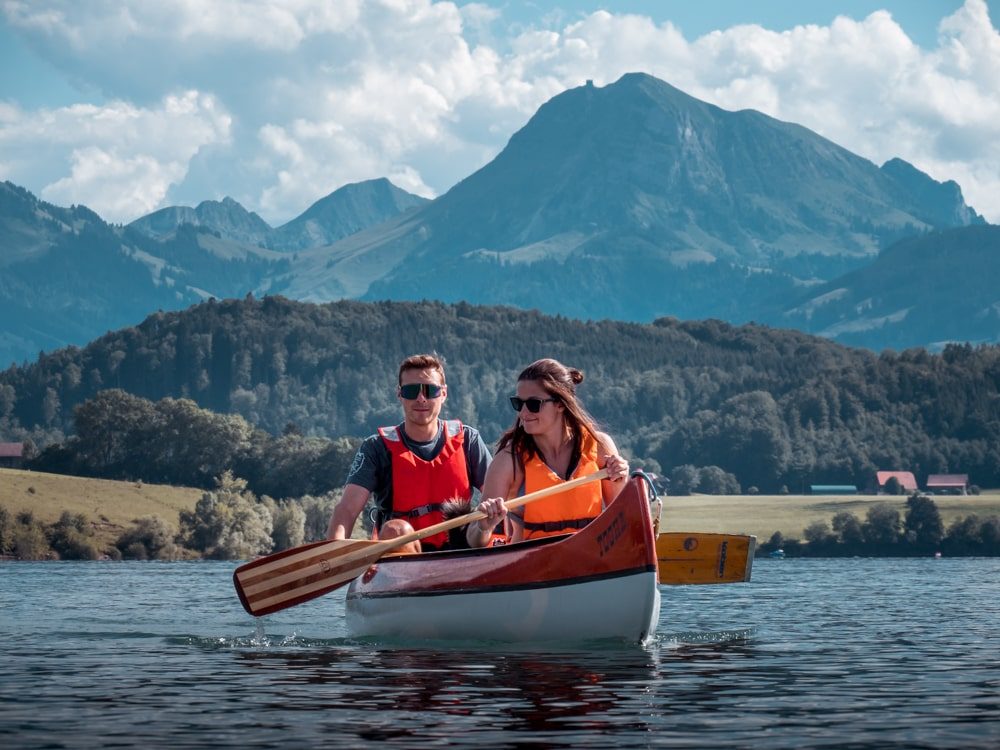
{"x":66,"y":276}
{"x":771,"y":407}
{"x":927,"y":290}
{"x":340,"y":214}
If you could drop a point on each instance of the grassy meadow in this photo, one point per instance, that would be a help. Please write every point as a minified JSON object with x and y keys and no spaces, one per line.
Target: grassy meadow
{"x":109,"y":505}
{"x":762,"y":515}
{"x":112,"y":505}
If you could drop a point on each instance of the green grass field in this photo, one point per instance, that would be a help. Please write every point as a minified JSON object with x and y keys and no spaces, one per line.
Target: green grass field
{"x":111,"y":505}
{"x":762,"y":515}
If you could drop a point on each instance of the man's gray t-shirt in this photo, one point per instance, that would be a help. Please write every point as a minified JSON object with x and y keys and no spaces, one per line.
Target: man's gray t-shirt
{"x":372,"y":467}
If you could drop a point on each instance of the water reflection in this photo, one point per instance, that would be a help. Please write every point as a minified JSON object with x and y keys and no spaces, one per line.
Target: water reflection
{"x":533,"y":691}
{"x":396,"y":691}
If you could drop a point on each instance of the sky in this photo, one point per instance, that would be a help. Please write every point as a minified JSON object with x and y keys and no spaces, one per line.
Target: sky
{"x":127,"y":106}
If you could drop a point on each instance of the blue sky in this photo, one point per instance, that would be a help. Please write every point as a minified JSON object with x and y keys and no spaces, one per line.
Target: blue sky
{"x":127,"y":106}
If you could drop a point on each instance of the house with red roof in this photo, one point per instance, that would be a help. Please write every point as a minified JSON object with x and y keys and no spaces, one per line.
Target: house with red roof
{"x":948,"y":483}
{"x":905,"y":478}
{"x":11,"y":455}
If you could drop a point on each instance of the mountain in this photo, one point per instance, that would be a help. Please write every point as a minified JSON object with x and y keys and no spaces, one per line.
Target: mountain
{"x":923,"y":291}
{"x":227,"y":218}
{"x":66,"y":276}
{"x":698,"y":211}
{"x":340,"y":214}
{"x":631,"y":201}
{"x":343,"y":213}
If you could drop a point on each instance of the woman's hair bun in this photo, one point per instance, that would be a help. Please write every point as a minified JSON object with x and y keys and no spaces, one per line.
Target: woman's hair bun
{"x":575,"y":375}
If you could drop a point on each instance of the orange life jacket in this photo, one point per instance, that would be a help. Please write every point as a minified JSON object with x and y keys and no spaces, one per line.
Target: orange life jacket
{"x":567,"y":511}
{"x":420,"y":487}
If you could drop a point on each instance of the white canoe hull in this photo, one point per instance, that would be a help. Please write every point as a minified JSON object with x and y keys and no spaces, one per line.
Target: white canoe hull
{"x":625,"y":608}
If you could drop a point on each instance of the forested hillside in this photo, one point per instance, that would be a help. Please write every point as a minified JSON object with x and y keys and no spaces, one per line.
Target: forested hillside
{"x":773,"y":407}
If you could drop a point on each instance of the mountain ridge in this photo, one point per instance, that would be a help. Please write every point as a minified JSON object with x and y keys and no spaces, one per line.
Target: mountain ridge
{"x":630,"y":201}
{"x":339,"y":214}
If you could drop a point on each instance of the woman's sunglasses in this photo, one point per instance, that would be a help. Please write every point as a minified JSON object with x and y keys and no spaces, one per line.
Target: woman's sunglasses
{"x":534,"y":404}
{"x":411,"y":391}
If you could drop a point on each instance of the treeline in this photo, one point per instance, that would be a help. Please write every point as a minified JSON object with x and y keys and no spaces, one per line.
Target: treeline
{"x":173,"y":441}
{"x":229,"y":522}
{"x":884,"y":533}
{"x":772,"y":408}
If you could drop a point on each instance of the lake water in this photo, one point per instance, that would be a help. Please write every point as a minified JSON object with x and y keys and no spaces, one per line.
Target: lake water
{"x":812,"y":653}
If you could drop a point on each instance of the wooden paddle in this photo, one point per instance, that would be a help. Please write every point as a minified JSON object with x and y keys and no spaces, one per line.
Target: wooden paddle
{"x":284,"y":579}
{"x":694,"y":558}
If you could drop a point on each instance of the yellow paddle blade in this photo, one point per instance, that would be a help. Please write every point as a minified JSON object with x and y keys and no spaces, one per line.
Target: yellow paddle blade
{"x":697,"y":558}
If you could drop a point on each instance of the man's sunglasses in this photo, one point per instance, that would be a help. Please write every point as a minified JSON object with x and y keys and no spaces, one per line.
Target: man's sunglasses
{"x":410,"y":391}
{"x":534,"y":404}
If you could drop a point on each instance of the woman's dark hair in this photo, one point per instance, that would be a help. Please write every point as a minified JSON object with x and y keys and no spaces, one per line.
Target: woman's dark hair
{"x":560,"y":383}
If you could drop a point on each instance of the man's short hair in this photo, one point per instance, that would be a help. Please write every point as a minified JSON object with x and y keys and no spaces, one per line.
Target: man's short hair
{"x":422,"y":362}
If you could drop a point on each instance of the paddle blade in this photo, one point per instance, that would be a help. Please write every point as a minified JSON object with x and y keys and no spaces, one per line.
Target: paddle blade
{"x":284,"y":579}
{"x":694,"y":558}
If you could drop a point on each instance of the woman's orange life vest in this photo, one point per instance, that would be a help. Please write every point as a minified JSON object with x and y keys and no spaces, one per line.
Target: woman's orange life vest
{"x":567,"y":511}
{"x":419,"y":487}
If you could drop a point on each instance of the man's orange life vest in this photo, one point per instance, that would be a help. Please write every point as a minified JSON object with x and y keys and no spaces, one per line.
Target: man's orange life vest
{"x":419,"y":487}
{"x":567,"y":511}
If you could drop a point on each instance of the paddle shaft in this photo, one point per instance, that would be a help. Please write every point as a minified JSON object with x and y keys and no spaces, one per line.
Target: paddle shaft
{"x":478,"y":515}
{"x":284,"y":579}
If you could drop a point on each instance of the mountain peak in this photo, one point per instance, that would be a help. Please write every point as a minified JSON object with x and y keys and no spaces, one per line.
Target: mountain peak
{"x":344,"y":212}
{"x":938,"y":203}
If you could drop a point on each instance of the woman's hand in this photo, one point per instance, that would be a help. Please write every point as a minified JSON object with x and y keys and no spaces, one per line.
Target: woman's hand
{"x":495,"y":511}
{"x":617,"y":468}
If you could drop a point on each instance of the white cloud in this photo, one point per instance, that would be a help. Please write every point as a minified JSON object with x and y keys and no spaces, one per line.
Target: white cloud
{"x":118,"y":159}
{"x":324,"y":93}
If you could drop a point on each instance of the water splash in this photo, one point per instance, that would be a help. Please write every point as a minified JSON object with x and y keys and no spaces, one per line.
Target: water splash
{"x":692,"y":638}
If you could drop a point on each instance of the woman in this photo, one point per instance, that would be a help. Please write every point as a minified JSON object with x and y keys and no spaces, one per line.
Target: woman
{"x":553,"y":440}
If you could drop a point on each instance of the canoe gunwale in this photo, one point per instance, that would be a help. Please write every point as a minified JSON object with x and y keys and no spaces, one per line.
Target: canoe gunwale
{"x":354,"y":595}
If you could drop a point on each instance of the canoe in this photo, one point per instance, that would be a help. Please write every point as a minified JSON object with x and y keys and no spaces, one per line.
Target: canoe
{"x":599,"y":583}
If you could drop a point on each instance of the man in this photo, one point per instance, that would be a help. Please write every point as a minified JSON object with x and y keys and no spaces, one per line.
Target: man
{"x":414,"y":467}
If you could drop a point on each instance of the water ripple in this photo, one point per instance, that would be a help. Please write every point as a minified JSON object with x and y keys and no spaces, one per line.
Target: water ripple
{"x":847,"y":654}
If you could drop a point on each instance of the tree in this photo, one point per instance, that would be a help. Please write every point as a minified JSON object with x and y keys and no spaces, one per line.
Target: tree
{"x":289,"y":526}
{"x":318,"y":511}
{"x":819,"y":537}
{"x":28,"y":541}
{"x":924,"y":528}
{"x":72,"y":538}
{"x":228,"y":523}
{"x":848,"y":529}
{"x":753,"y":439}
{"x":715,"y":481}
{"x":6,"y":531}
{"x":111,"y":429}
{"x":150,"y":538}
{"x":882,"y":526}
{"x":683,"y":480}
{"x":964,"y":536}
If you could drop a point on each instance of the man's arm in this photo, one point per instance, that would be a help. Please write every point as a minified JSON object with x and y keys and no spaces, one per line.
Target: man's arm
{"x":345,"y":515}
{"x":477,"y":455}
{"x":366,"y":475}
